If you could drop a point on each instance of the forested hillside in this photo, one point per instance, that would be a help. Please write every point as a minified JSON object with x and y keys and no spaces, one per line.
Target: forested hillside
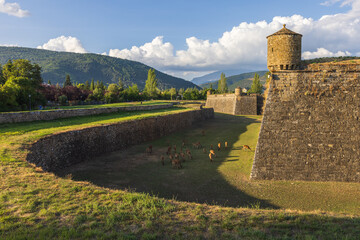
{"x":84,"y":67}
{"x":243,"y":80}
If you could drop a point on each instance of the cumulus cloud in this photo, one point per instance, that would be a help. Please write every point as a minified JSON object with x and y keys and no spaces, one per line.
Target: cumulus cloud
{"x":13,"y":9}
{"x":64,"y":44}
{"x":322,"y":52}
{"x":245,"y":45}
{"x":329,"y":3}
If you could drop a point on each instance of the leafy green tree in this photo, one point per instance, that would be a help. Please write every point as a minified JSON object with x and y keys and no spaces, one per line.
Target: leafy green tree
{"x":181,"y":91}
{"x":132,"y":93}
{"x":63,"y":100}
{"x":187,"y":94}
{"x":101,"y":85}
{"x":97,"y":84}
{"x":120,"y":85}
{"x":112,"y":93}
{"x":172,"y":92}
{"x":49,"y":82}
{"x":98,"y":94}
{"x":87,"y":85}
{"x":23,"y":80}
{"x":256,"y":86}
{"x":67,"y":81}
{"x":113,"y":88}
{"x":92,"y":85}
{"x":151,"y":84}
{"x":80,"y":86}
{"x":2,"y":80}
{"x":8,"y":93}
{"x":222,"y":85}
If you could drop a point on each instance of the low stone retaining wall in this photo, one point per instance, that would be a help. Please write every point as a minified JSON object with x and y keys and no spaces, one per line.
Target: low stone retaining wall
{"x":62,"y":113}
{"x":65,"y":149}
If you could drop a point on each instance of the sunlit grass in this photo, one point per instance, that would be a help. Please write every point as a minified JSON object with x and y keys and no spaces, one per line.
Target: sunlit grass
{"x":39,"y":205}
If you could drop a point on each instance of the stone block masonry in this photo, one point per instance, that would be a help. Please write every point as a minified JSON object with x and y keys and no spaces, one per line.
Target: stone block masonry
{"x":232,"y":104}
{"x":310,"y":130}
{"x":16,"y":117}
{"x":67,"y":148}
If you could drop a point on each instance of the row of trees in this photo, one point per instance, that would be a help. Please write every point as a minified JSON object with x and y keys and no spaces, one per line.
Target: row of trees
{"x":21,"y":88}
{"x":256,"y":86}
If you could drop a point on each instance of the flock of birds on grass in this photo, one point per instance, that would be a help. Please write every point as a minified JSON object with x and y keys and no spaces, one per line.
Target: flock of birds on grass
{"x":176,"y":158}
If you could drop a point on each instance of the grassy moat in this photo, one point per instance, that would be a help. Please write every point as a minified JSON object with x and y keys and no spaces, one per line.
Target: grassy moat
{"x":130,"y":195}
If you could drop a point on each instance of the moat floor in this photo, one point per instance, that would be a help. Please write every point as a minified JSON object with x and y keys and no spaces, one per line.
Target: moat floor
{"x":224,"y":181}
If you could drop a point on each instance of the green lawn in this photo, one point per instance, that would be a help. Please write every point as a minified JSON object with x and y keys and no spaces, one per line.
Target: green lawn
{"x":39,"y":205}
{"x":224,"y":182}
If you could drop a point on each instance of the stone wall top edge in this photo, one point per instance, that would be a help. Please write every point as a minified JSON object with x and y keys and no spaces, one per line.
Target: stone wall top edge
{"x":228,"y":95}
{"x":320,"y":69}
{"x":121,"y":122}
{"x":221,"y":95}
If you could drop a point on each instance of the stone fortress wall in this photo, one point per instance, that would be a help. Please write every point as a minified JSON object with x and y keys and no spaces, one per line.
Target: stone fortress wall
{"x":233,"y":104}
{"x":64,"y":149}
{"x":310,"y":129}
{"x":16,"y":117}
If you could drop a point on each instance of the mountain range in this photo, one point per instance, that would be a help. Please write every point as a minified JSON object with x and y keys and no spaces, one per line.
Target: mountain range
{"x":86,"y":66}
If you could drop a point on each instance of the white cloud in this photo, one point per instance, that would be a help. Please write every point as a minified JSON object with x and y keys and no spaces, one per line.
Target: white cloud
{"x":13,"y":9}
{"x":322,"y":52}
{"x":64,"y":44}
{"x":329,"y":3}
{"x":244,"y":46}
{"x":9,"y":45}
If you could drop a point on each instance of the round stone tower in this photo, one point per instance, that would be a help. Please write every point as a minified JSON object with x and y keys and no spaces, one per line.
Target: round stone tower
{"x":238,"y":91}
{"x":284,"y":50}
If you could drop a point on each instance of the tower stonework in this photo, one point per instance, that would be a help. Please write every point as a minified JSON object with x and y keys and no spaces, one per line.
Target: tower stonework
{"x":311,"y":123}
{"x":284,"y":50}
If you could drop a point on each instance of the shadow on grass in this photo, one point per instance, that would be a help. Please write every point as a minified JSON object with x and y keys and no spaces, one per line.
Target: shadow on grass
{"x":198,"y":181}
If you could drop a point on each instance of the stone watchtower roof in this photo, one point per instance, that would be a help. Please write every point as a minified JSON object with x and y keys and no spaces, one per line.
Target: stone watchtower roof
{"x":284,"y":31}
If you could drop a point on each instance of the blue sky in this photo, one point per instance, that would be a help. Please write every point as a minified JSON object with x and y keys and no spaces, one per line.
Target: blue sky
{"x":183,"y":38}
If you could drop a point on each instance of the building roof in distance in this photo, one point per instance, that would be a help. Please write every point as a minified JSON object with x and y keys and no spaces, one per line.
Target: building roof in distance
{"x":284,"y":31}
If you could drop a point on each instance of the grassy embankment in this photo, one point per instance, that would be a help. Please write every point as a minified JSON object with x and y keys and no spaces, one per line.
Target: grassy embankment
{"x":41,"y":205}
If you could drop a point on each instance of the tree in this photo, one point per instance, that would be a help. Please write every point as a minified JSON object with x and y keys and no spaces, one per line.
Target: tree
{"x":101,"y":85}
{"x":222,"y":85}
{"x":151,"y":84}
{"x":8,"y":93}
{"x":112,"y":93}
{"x":87,"y":86}
{"x":23,"y":80}
{"x":2,"y":79}
{"x":92,"y":85}
{"x":97,"y":84}
{"x":121,"y":85}
{"x":172,"y":92}
{"x":132,"y":93}
{"x":98,"y":94}
{"x":113,"y":88}
{"x":63,"y":100}
{"x":256,"y":86}
{"x":49,"y":82}
{"x":67,"y":81}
